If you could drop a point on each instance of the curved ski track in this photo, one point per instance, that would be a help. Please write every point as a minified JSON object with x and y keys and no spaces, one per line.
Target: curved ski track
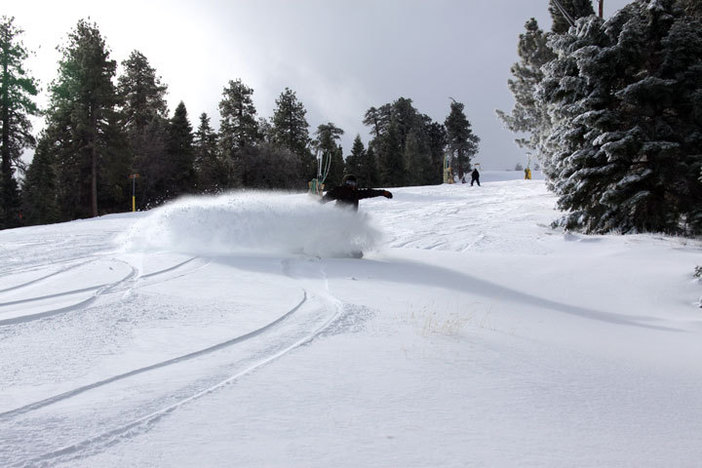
{"x":299,"y":334}
{"x":194,"y":354}
{"x":100,"y":290}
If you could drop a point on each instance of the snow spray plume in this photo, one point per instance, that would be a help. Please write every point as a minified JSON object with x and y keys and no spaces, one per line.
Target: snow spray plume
{"x":253,"y":222}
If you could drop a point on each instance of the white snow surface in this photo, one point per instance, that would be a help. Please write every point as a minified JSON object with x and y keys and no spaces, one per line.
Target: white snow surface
{"x":237,"y":331}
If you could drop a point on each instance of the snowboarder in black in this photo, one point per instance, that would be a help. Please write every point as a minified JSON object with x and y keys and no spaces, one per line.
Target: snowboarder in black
{"x":475,"y":177}
{"x":347,"y":194}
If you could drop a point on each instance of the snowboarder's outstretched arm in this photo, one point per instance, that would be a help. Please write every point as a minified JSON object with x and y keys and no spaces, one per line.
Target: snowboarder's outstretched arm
{"x":370,"y":193}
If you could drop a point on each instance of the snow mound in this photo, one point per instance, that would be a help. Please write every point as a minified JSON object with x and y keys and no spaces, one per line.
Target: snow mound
{"x":253,"y":222}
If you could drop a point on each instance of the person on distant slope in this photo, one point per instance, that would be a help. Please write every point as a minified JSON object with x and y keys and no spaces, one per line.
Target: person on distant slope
{"x":475,"y":177}
{"x":347,"y":194}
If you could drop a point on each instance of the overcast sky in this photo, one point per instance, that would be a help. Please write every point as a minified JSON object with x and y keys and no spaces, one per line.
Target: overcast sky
{"x":340,"y":57}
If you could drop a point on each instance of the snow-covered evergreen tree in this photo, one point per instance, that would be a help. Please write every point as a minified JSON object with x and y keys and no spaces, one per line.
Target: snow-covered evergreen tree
{"x":625,"y":100}
{"x":528,"y":117}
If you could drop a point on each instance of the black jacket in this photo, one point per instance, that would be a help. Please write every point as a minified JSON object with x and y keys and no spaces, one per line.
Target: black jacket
{"x":349,"y":196}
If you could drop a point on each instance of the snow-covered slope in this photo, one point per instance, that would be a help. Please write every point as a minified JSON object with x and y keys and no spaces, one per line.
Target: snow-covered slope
{"x":234,"y":331}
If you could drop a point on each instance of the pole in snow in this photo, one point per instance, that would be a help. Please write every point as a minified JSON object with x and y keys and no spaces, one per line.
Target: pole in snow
{"x":134,"y":178}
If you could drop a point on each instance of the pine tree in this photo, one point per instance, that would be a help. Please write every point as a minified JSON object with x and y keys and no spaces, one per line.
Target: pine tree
{"x":529,"y":115}
{"x":291,"y":131}
{"x":369,"y":173}
{"x":239,"y":124}
{"x":238,"y":129}
{"x":265,"y":129}
{"x":355,"y":159}
{"x":462,"y":142}
{"x":142,"y":94}
{"x":40,"y":194}
{"x":179,"y":147}
{"x":390,"y":156}
{"x":414,"y":158}
{"x":362,"y":163}
{"x":624,"y":97}
{"x":114,"y":194}
{"x":83,"y":101}
{"x":17,"y":90}
{"x":209,"y":168}
{"x":436,"y":138}
{"x":405,"y":144}
{"x":378,"y":119}
{"x":145,"y":115}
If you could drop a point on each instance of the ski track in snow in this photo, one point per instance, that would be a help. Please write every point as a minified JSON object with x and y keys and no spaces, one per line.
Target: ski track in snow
{"x":192,"y":355}
{"x":299,"y":326}
{"x":121,"y":285}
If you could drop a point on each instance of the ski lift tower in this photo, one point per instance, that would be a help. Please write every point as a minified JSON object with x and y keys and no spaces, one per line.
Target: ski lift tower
{"x":448,"y":172}
{"x":316,"y":185}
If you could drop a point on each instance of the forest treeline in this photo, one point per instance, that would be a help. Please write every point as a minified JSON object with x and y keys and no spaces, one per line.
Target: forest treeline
{"x":107,"y":136}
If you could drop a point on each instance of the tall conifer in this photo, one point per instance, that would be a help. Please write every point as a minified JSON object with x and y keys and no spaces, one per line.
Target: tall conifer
{"x":17,"y":91}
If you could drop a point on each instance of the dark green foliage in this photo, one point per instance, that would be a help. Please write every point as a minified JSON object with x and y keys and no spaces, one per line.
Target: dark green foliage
{"x":209,"y":168}
{"x":17,"y":91}
{"x":239,"y":126}
{"x":436,"y":139}
{"x":180,"y":175}
{"x":390,"y":158}
{"x":269,"y":166}
{"x":462,"y":142}
{"x":143,"y":96}
{"x":407,"y":144}
{"x":83,"y":103}
{"x":354,"y":160}
{"x":40,"y":200}
{"x":361,"y":162}
{"x":114,"y":186}
{"x":144,"y":115}
{"x":150,"y":163}
{"x":290,"y":130}
{"x":238,"y":129}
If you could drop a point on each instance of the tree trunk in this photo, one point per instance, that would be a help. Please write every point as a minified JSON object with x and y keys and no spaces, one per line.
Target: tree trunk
{"x":93,"y":164}
{"x":6,"y":161}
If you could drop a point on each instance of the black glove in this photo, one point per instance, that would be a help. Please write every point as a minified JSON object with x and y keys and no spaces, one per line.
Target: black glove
{"x":387,"y":194}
